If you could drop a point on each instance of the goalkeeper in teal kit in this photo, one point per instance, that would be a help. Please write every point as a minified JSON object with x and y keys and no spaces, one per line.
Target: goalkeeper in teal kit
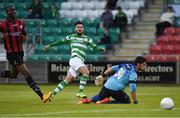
{"x":123,"y":75}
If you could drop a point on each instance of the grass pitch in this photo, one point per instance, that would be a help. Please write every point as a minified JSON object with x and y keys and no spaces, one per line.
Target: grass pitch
{"x":21,"y":101}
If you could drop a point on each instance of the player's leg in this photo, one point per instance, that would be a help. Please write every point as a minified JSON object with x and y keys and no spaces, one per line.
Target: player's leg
{"x":16,"y":60}
{"x":99,"y":99}
{"x":83,"y":80}
{"x":70,"y":76}
{"x":63,"y":84}
{"x":14,"y":73}
{"x":78,"y":65}
{"x":102,"y":97}
{"x":120,"y":97}
{"x":104,"y":93}
{"x":22,"y":68}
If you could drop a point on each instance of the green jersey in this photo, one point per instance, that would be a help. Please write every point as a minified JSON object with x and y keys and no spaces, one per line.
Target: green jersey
{"x":79,"y":45}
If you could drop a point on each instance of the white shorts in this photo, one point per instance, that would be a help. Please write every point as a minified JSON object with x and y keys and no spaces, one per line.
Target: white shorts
{"x":75,"y":63}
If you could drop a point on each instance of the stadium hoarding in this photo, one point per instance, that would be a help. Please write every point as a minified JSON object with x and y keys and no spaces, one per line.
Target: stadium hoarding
{"x":38,"y":71}
{"x":156,"y":72}
{"x":3,"y":65}
{"x":159,"y":72}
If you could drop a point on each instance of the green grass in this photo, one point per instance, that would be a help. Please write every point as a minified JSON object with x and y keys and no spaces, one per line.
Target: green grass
{"x":20,"y":101}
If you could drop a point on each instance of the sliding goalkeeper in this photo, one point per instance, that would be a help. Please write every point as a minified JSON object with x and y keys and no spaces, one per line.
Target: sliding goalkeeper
{"x":124,"y":74}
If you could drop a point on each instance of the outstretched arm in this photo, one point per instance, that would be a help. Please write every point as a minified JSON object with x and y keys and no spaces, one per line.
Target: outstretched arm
{"x":94,"y":46}
{"x":59,"y":42}
{"x":107,"y":72}
{"x":99,"y":79}
{"x":111,"y":70}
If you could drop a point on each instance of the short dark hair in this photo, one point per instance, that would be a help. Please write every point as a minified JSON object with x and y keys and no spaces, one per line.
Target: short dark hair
{"x":9,"y":6}
{"x":79,"y":22}
{"x":139,"y":59}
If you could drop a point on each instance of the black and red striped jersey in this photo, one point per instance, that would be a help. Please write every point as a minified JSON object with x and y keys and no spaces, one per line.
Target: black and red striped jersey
{"x":13,"y":31}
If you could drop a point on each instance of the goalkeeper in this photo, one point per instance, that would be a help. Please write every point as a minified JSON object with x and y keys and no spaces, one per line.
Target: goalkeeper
{"x":124,"y":74}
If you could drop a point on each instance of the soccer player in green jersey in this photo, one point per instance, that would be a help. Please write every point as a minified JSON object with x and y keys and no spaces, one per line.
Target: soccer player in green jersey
{"x":79,"y":45}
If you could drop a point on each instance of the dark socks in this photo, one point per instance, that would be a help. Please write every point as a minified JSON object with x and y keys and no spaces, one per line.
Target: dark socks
{"x":34,"y":86}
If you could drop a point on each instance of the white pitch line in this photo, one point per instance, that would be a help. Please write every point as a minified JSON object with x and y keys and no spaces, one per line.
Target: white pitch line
{"x":80,"y":111}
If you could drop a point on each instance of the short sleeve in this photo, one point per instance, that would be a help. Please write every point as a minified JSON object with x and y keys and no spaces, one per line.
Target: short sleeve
{"x":115,"y":68}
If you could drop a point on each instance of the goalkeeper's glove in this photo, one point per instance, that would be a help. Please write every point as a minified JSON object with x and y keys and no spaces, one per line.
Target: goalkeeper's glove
{"x":100,"y":79}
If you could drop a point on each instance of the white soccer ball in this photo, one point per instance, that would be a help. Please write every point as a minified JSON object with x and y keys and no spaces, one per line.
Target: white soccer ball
{"x":167,"y":103}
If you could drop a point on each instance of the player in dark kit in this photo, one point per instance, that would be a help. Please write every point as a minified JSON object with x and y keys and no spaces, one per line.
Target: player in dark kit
{"x":14,"y":33}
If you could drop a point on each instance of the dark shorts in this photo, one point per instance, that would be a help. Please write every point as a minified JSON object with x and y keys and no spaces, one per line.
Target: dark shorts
{"x":119,"y":96}
{"x":15,"y":59}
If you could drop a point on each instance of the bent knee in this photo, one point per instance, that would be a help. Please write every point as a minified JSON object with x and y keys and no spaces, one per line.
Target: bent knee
{"x":86,"y":73}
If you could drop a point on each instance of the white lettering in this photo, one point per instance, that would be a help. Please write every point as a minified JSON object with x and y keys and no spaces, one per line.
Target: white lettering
{"x":93,"y":68}
{"x":59,"y":68}
{"x":149,"y":78}
{"x":159,"y":69}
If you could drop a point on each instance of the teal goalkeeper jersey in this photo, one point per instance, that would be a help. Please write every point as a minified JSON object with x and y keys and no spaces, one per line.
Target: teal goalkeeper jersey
{"x":124,"y":74}
{"x":79,"y":45}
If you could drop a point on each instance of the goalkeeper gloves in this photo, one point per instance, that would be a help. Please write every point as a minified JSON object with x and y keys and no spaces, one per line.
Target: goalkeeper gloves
{"x":100,"y":79}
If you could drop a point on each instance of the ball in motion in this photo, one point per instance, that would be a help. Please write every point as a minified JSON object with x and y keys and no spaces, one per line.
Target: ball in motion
{"x":167,"y":103}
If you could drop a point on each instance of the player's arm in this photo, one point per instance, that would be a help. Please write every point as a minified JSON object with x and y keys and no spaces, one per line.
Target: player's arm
{"x":99,"y":79}
{"x":24,"y":33}
{"x":110,"y":70}
{"x":56,"y":43}
{"x":134,"y":98}
{"x":133,"y":91}
{"x":94,"y":46}
{"x":107,"y":72}
{"x":132,"y":85}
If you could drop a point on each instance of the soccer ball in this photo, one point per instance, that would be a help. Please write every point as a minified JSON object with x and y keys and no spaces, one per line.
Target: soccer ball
{"x":167,"y":103}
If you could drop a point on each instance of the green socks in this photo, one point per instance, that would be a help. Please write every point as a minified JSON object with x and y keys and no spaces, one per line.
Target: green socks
{"x":59,"y":88}
{"x":83,"y":81}
{"x":63,"y":84}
